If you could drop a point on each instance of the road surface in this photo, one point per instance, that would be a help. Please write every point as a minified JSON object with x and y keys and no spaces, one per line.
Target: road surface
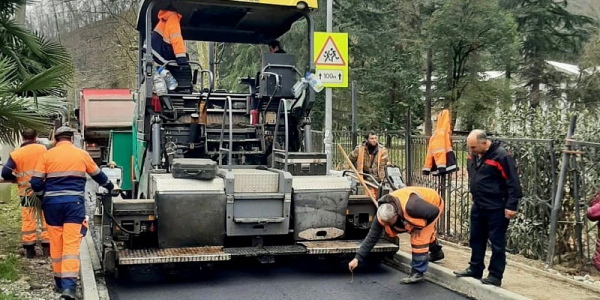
{"x":306,"y":278}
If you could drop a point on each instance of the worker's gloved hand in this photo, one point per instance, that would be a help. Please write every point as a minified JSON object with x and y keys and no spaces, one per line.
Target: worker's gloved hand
{"x":110,"y":186}
{"x":353,"y":264}
{"x":182,"y":61}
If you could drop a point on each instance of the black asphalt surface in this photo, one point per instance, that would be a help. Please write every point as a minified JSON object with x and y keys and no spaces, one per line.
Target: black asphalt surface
{"x":298,"y":279}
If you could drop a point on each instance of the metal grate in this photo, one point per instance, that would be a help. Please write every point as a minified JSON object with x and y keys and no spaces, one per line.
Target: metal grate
{"x":172,"y":255}
{"x":342,"y":247}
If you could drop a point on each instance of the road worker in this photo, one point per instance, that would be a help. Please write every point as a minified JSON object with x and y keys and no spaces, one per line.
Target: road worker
{"x":60,"y":176}
{"x":414,"y":210}
{"x":167,"y":41}
{"x":276,"y":47}
{"x":19,"y":168}
{"x":370,"y":158}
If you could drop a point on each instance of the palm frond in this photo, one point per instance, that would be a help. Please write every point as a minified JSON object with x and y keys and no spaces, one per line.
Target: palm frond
{"x":14,"y":34}
{"x":46,"y":81}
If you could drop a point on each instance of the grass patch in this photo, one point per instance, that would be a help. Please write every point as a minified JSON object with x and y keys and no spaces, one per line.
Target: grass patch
{"x":9,"y":268}
{"x":9,"y":297}
{"x":10,"y":218}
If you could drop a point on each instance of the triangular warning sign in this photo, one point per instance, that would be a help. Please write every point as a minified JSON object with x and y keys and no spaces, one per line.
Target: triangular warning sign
{"x":330,"y":55}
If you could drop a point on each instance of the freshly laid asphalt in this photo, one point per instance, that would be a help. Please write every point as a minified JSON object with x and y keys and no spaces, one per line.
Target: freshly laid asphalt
{"x":298,"y":279}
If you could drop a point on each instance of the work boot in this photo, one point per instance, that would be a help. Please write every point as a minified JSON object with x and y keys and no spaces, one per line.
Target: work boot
{"x":29,"y":251}
{"x":415,"y":277}
{"x":436,"y":256}
{"x":492,"y":280}
{"x":68,"y":295}
{"x":468,"y":273}
{"x":46,"y":249}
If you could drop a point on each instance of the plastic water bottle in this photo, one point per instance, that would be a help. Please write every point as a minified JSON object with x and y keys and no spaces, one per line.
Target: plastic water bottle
{"x":160,"y":87}
{"x":171,"y":82}
{"x":314,"y":82}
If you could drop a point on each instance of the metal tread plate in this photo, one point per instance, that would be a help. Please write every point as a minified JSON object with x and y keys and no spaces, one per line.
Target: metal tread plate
{"x":320,"y":183}
{"x":172,"y":255}
{"x":343,"y":247}
{"x":255,"y":181}
{"x":167,"y":183}
{"x":265,"y":250}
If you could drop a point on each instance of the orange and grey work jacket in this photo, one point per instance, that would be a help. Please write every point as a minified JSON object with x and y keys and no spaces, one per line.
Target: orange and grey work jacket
{"x":60,"y":174}
{"x":167,"y":41}
{"x":22,"y":161}
{"x":370,"y":163}
{"x":440,"y":157}
{"x":414,"y":212}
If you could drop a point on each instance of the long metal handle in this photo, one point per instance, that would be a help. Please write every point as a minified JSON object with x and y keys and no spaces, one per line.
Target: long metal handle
{"x":360,"y":179}
{"x":285,"y":113}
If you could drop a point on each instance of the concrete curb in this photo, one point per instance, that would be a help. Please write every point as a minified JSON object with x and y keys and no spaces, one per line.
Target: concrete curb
{"x":86,"y":270}
{"x":467,"y":286}
{"x":536,"y":271}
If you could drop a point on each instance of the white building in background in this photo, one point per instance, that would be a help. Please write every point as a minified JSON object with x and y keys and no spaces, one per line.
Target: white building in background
{"x":569,"y":70}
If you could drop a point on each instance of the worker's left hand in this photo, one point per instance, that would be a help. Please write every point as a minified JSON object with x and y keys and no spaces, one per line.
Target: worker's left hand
{"x":353,"y":264}
{"x":509,"y":214}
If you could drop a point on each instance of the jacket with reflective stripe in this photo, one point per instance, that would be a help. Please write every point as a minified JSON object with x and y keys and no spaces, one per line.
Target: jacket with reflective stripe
{"x":412,"y":212}
{"x":370,"y":164}
{"x":167,"y":41}
{"x":25,"y":159}
{"x":440,"y":158}
{"x":60,"y":174}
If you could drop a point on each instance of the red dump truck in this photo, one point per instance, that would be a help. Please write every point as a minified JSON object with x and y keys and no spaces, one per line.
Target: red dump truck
{"x":100,"y":112}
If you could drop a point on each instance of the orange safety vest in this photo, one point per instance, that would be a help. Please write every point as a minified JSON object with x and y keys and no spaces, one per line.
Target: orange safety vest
{"x":26,"y":158}
{"x":169,"y":28}
{"x":361,"y":158}
{"x":402,"y":195}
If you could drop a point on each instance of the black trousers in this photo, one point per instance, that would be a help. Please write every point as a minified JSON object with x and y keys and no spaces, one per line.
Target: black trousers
{"x":487,"y":225}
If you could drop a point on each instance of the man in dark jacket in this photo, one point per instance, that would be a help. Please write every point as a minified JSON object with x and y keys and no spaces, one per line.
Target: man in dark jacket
{"x":496,"y":190}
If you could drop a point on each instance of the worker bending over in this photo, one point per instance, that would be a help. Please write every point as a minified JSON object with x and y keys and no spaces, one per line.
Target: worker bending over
{"x":60,"y":176}
{"x":167,"y":41}
{"x":414,"y":210}
{"x":19,"y":168}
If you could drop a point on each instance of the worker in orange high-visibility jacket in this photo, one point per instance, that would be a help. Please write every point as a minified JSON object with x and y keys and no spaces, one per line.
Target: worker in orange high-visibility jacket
{"x":20,"y":167}
{"x":370,"y":158}
{"x":415,"y":210}
{"x":60,"y":175}
{"x":167,"y":41}
{"x":440,"y":157}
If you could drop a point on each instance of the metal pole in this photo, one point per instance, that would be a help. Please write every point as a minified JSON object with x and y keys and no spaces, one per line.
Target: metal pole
{"x":578,"y":221}
{"x":328,"y":97}
{"x":211,"y":57}
{"x":353,"y":114}
{"x":559,"y":193}
{"x":407,"y":157}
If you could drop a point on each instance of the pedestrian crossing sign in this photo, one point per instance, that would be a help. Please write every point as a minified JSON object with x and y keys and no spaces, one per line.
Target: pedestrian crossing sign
{"x":331,"y":58}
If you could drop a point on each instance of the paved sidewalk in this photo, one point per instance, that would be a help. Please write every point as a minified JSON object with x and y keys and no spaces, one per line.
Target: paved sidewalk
{"x":519,"y":278}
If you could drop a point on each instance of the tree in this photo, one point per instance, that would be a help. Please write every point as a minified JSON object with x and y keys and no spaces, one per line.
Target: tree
{"x":548,"y":31}
{"x":33,"y":72}
{"x":468,"y":35}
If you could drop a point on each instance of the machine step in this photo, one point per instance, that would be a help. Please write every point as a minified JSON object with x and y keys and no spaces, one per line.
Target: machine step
{"x":215,"y":253}
{"x":346,"y":246}
{"x":172,"y":255}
